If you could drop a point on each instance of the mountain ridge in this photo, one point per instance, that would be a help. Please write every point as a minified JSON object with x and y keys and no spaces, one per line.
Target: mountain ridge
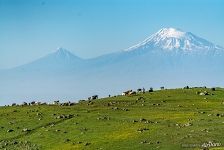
{"x":165,"y":41}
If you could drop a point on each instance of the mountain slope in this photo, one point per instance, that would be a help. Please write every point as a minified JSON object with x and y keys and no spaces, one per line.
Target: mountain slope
{"x":171,"y":39}
{"x":59,"y":60}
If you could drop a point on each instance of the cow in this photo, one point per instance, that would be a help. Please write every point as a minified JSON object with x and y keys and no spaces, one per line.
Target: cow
{"x":151,"y":89}
{"x":13,"y":104}
{"x":37,"y":103}
{"x":186,"y":87}
{"x":24,"y":104}
{"x":94,"y":97}
{"x":126,"y":92}
{"x":139,"y":90}
{"x":132,"y":93}
{"x":56,"y":102}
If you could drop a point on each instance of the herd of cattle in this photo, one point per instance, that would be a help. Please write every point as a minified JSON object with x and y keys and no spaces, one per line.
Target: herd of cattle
{"x":94,"y":97}
{"x":131,"y":92}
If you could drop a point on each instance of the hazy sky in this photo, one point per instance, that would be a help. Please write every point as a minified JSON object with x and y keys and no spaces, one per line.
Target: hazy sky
{"x":30,"y":29}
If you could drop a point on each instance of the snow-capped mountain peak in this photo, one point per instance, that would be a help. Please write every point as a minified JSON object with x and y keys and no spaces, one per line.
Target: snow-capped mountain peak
{"x":175,"y":39}
{"x":170,"y":32}
{"x":62,"y":53}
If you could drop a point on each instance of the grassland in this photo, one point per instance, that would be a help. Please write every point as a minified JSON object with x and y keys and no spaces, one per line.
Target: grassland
{"x":165,"y":119}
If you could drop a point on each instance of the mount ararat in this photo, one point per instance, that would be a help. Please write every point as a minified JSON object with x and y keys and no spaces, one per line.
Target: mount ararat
{"x":170,"y":58}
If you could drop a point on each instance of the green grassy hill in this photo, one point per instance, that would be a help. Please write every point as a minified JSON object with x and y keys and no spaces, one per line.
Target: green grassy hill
{"x":165,"y":119}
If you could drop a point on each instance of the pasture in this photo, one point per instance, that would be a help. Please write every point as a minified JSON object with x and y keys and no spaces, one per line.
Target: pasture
{"x":170,"y":119}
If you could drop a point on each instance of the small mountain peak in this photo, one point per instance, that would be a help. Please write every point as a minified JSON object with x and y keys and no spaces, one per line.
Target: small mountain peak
{"x":62,"y":53}
{"x":62,"y":50}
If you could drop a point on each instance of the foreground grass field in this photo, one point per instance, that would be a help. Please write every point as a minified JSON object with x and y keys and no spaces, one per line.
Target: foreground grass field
{"x":166,"y":119}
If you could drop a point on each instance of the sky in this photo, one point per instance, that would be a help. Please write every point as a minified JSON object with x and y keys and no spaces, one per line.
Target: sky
{"x":30,"y":29}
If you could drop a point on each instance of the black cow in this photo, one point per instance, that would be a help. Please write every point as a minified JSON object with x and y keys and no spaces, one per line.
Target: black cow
{"x":95,"y":97}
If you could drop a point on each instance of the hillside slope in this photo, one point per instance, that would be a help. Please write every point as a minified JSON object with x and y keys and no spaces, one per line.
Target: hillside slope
{"x":165,"y":119}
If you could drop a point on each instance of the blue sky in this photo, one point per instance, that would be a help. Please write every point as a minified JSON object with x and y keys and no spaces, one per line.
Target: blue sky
{"x":30,"y":29}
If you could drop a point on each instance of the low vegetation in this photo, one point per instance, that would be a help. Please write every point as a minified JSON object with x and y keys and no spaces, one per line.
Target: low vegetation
{"x":188,"y":118}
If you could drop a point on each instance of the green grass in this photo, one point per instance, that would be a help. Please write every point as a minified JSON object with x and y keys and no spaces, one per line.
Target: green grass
{"x":182,"y":118}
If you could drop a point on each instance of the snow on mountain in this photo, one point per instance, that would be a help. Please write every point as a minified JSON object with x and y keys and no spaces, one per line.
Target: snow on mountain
{"x":62,"y":53}
{"x":171,"y":39}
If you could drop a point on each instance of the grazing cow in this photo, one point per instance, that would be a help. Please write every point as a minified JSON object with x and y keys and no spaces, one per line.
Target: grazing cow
{"x":13,"y":104}
{"x":129,"y":92}
{"x":139,"y":90}
{"x":213,"y":89}
{"x":71,"y":103}
{"x":81,"y":101}
{"x":204,"y":93}
{"x":24,"y":104}
{"x":151,"y":89}
{"x":56,"y":102}
{"x":64,"y":104}
{"x":10,"y":130}
{"x":33,"y":102}
{"x":37,"y":103}
{"x":94,"y":97}
{"x":186,"y":87}
{"x":126,"y":92}
{"x":132,"y":93}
